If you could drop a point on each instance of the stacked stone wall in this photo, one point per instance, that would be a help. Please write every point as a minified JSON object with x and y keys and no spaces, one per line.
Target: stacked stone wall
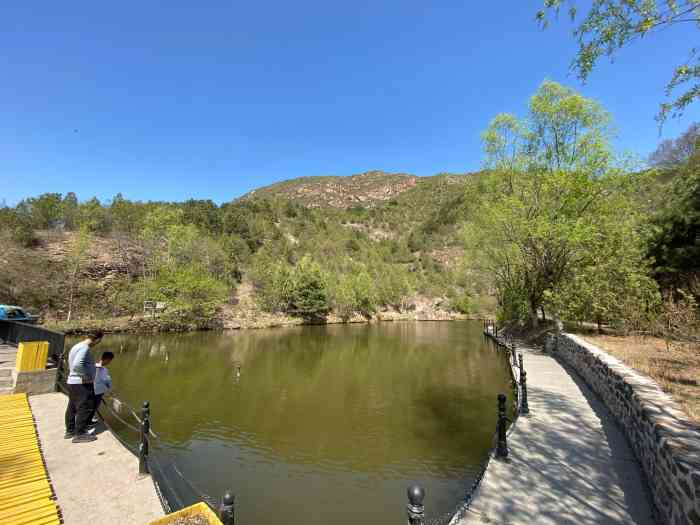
{"x":664,"y":440}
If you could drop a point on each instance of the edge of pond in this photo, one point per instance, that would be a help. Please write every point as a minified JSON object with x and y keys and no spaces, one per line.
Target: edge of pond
{"x":153,"y":326}
{"x":458,"y":514}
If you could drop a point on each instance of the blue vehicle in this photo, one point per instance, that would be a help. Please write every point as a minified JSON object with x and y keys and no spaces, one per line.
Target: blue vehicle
{"x":15,"y":313}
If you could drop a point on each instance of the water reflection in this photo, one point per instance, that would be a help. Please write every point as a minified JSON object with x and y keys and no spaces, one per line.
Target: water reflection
{"x":345,"y":411}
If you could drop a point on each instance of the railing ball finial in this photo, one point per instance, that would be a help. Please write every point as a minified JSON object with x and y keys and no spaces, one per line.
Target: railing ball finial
{"x":227,"y":508}
{"x":144,"y":444}
{"x":502,"y":445}
{"x":415,"y":509}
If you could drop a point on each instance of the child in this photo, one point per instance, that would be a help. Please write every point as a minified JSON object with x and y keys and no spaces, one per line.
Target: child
{"x":103,"y":381}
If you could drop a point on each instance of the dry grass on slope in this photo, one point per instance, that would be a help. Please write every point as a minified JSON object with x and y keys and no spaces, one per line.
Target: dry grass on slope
{"x":676,"y":370}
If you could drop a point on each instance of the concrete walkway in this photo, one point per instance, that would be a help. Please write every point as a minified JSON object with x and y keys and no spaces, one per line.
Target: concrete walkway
{"x":96,"y":483}
{"x":569,"y":463}
{"x":8,"y":356}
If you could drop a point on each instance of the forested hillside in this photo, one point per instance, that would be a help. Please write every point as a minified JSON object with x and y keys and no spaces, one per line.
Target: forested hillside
{"x":287,"y":250}
{"x":557,"y":224}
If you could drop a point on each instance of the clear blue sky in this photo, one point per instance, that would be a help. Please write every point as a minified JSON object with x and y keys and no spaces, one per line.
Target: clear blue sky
{"x":212,"y":99}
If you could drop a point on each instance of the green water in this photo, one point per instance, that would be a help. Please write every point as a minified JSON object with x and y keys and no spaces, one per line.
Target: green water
{"x":324,"y":424}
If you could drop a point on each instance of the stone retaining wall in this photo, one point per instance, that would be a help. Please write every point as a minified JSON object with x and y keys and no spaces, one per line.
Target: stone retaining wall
{"x":664,"y":440}
{"x":37,"y":382}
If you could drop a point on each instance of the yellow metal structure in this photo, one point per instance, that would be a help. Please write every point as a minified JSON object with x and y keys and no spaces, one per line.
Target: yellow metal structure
{"x":198,"y":509}
{"x":31,"y":356}
{"x":26,"y":495}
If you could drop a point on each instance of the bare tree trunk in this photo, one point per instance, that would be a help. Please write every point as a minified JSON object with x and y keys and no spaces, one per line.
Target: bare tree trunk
{"x":534,"y":317}
{"x":70,"y":296}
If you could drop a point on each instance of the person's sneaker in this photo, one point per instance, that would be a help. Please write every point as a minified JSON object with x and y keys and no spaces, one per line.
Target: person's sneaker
{"x":95,"y":420}
{"x":68,"y":435}
{"x":84,"y":438}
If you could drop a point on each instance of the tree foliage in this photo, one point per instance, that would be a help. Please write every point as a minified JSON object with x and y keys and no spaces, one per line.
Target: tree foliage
{"x":673,"y":153}
{"x":300,"y":289}
{"x":609,"y":25}
{"x":555,"y":212}
{"x":674,"y":243}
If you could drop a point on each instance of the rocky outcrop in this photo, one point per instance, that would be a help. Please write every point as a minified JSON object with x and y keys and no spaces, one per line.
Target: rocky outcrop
{"x":365,"y":189}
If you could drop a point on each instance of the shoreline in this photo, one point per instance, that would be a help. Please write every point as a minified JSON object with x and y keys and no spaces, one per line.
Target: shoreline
{"x":145,"y":325}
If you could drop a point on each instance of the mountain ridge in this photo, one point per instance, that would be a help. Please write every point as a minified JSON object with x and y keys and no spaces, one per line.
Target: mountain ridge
{"x":368,"y":189}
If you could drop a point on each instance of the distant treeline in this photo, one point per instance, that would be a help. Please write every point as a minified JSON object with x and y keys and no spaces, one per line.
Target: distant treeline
{"x":302,"y":261}
{"x":556,"y":225}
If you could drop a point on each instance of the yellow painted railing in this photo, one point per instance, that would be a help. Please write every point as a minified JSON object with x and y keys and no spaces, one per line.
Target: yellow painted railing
{"x":31,"y":356}
{"x":200,"y":510}
{"x":26,"y":496}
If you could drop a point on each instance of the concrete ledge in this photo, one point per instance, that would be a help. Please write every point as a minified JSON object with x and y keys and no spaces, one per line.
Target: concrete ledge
{"x":32,"y":383}
{"x":96,"y":483}
{"x":665,"y":442}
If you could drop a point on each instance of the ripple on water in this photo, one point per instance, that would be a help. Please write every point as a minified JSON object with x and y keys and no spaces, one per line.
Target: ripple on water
{"x":321,"y":416}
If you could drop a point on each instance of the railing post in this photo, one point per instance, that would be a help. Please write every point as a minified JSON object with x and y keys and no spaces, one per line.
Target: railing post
{"x":145,"y":430}
{"x":227,"y":509}
{"x":415,"y":509}
{"x":524,"y":408}
{"x":502,"y":447}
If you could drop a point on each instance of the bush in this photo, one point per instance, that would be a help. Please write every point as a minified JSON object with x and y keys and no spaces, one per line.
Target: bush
{"x":355,"y":292}
{"x":190,"y":291}
{"x":461,"y":302}
{"x":300,"y":290}
{"x":308,"y":295}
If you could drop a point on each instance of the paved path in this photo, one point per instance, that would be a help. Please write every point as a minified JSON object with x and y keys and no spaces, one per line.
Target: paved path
{"x":96,"y":483}
{"x":569,"y":463}
{"x":8,"y":356}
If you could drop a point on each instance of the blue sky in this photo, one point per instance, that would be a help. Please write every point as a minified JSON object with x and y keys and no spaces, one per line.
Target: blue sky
{"x":212,"y":99}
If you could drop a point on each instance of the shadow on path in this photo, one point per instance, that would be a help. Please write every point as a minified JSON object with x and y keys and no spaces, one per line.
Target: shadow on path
{"x":569,"y":461}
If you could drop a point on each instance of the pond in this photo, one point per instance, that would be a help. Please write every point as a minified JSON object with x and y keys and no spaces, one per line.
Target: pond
{"x":325,"y":423}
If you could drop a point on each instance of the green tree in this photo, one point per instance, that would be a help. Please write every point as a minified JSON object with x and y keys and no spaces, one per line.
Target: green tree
{"x":355,"y":292}
{"x":673,"y":153}
{"x":204,"y":214}
{"x":308,"y":296}
{"x":612,"y":282}
{"x":93,"y":216}
{"x":300,"y":290}
{"x":191,"y":293}
{"x":674,"y":244}
{"x":552,"y":193}
{"x":69,"y":210}
{"x":610,"y":25}
{"x":126,"y":217}
{"x":76,"y":258}
{"x":18,"y":223}
{"x":44,"y":210}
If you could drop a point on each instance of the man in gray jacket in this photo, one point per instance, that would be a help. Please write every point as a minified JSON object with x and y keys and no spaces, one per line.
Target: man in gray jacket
{"x":81,"y":394}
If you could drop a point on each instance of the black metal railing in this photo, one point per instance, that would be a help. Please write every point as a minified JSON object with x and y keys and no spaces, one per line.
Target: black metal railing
{"x":415,"y":509}
{"x":176,"y":491}
{"x":15,"y":333}
{"x":134,"y":430}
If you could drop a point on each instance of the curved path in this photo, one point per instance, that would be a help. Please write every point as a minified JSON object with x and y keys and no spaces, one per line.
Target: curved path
{"x":569,"y":463}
